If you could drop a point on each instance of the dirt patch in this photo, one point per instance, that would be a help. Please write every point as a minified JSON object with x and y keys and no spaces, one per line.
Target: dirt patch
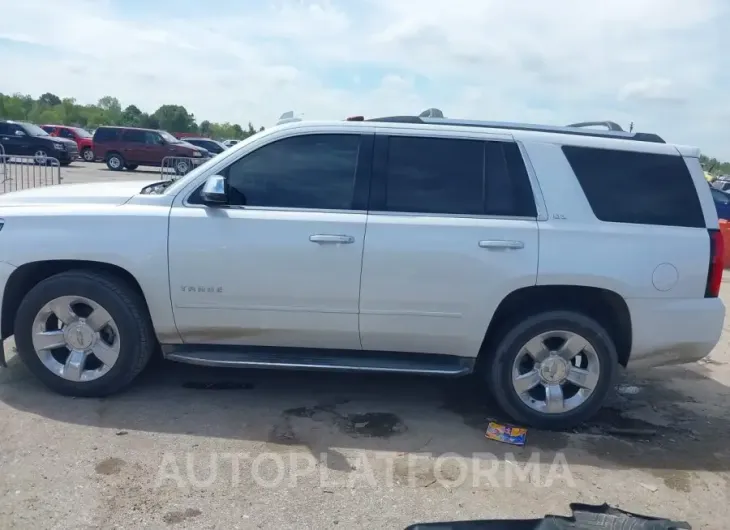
{"x":109,"y":466}
{"x":179,"y":517}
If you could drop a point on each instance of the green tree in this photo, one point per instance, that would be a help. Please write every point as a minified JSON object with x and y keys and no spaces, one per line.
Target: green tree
{"x":50,"y":100}
{"x":175,"y":118}
{"x":50,"y":108}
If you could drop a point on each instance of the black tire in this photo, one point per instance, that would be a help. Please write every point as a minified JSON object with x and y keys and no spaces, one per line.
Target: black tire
{"x":131,"y":167}
{"x":115,"y":161}
{"x":88,"y":154}
{"x":182,"y":167}
{"x":499,"y":376}
{"x":126,"y":307}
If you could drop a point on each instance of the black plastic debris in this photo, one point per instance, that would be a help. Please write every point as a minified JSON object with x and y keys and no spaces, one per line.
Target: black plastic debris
{"x":585,"y":517}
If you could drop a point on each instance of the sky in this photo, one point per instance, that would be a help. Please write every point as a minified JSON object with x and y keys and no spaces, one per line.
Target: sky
{"x":657,"y":63}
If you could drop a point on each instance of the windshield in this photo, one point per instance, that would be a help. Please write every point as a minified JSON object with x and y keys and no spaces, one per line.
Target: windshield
{"x":33,"y":130}
{"x":83,"y":133}
{"x":169,"y":138}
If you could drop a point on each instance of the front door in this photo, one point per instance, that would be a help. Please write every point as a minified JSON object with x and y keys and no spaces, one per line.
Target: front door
{"x":452,"y":230}
{"x":280,"y":265}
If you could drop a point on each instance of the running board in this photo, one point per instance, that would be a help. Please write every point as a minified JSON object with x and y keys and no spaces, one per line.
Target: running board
{"x":340,"y":361}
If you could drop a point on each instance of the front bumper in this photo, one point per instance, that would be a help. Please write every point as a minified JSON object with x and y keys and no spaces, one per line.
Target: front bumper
{"x":673,"y":331}
{"x":6,"y":269}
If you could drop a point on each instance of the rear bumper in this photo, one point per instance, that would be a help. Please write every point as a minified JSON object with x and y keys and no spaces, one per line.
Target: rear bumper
{"x":673,"y":331}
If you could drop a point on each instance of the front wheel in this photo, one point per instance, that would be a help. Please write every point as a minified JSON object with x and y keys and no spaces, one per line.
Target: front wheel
{"x":83,"y":333}
{"x":88,"y":154}
{"x":40,"y":156}
{"x":553,"y":370}
{"x":182,"y":167}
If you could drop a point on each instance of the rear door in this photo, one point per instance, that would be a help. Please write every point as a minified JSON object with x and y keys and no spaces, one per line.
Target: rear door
{"x":451,"y":231}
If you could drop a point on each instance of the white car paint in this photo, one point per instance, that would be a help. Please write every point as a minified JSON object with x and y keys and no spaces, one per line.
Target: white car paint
{"x":416,"y":283}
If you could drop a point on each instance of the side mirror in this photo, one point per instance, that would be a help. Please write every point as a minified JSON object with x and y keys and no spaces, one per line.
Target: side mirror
{"x":214,"y":190}
{"x":19,"y":133}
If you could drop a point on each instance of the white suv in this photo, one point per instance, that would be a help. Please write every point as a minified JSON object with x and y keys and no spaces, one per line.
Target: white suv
{"x":538,"y":258}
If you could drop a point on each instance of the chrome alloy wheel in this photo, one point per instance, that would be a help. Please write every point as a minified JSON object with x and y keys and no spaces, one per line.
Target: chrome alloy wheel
{"x":76,"y":338}
{"x":555,"y":372}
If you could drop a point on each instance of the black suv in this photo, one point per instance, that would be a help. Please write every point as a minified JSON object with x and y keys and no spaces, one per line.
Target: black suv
{"x":212,"y":146}
{"x":19,"y":138}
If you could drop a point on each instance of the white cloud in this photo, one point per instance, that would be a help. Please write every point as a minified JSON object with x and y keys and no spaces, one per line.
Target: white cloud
{"x":555,"y":61}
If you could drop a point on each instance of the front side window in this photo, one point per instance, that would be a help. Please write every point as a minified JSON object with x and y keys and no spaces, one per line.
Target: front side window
{"x":311,"y":171}
{"x":65,"y":133}
{"x":152,"y":138}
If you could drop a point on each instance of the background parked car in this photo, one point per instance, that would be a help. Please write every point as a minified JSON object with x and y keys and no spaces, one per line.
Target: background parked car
{"x":130,"y":147}
{"x":82,"y":137}
{"x":230,"y":143}
{"x":722,"y":185}
{"x":25,"y":139}
{"x":722,"y":203}
{"x":212,"y":146}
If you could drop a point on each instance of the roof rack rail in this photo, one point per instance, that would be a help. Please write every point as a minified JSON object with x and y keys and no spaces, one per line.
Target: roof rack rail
{"x":435,"y":116}
{"x":610,"y":125}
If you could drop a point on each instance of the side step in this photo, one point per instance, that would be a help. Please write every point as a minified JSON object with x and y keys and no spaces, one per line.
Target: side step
{"x":327,"y":360}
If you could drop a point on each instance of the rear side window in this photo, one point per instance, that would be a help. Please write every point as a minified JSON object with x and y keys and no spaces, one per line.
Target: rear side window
{"x":133,"y":135}
{"x":459,"y":177}
{"x":105,"y":135}
{"x":637,"y":188}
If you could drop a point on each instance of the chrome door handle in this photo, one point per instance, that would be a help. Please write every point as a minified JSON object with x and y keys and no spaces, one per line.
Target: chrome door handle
{"x":500,"y":244}
{"x":331,"y":238}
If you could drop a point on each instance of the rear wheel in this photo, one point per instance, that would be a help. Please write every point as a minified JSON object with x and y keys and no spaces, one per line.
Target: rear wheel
{"x":83,"y":333}
{"x":553,"y":370}
{"x":40,"y":156}
{"x":115,"y":162}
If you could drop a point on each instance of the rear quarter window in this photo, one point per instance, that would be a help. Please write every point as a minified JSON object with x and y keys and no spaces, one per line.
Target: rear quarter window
{"x":636,"y":188}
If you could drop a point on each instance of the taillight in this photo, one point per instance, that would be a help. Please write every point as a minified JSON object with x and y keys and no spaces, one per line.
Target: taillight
{"x":714,"y":274}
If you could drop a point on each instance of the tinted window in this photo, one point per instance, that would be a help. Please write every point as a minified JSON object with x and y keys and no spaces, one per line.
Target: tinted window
{"x":4,"y":129}
{"x":65,"y":133}
{"x":639,"y":188}
{"x":313,"y":171}
{"x":133,"y":135}
{"x":105,"y":135}
{"x":450,"y":176}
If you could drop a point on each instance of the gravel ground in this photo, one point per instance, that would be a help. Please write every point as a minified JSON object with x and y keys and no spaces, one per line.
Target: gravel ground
{"x":187,"y":447}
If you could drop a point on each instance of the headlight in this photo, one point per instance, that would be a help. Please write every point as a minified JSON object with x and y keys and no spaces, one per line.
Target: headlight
{"x":59,"y":146}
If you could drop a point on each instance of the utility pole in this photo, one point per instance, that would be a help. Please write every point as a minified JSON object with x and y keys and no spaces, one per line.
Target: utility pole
{"x":631,"y":127}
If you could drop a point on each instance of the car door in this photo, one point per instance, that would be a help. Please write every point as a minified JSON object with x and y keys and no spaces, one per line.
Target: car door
{"x":280,"y":264}
{"x":155,"y":148}
{"x":133,"y":146}
{"x":452,"y":230}
{"x":17,"y":141}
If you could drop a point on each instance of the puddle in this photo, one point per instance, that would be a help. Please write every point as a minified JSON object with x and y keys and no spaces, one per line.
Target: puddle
{"x":373,"y":424}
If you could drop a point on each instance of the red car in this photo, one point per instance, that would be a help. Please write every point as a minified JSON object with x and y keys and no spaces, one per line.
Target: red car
{"x":82,"y":137}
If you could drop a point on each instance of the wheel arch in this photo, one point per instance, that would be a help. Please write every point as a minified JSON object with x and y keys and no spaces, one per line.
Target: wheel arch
{"x":27,"y":276}
{"x":607,"y":307}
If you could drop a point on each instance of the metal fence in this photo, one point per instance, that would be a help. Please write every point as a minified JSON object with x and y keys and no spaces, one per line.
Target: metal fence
{"x":176,"y":166}
{"x":25,"y":172}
